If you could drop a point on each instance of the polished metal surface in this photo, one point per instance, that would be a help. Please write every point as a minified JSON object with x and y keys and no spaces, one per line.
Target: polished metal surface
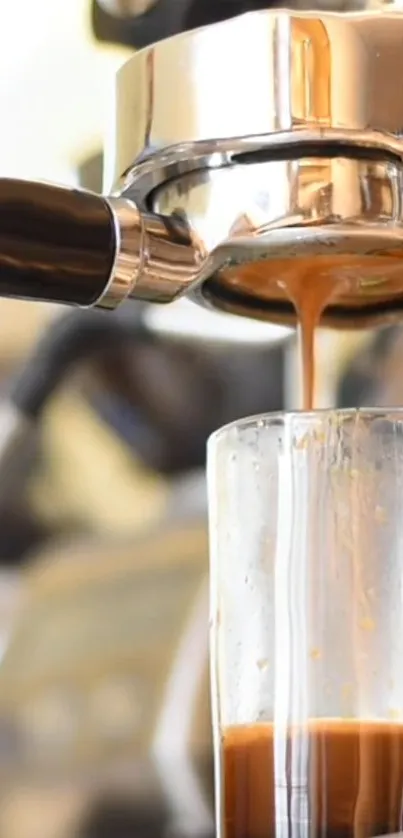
{"x":280,"y":148}
{"x":173,"y":257}
{"x":200,"y":98}
{"x":267,"y":222}
{"x":128,"y":256}
{"x":155,"y":257}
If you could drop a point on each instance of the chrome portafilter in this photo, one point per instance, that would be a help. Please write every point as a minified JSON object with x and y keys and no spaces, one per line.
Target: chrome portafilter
{"x":285,"y":163}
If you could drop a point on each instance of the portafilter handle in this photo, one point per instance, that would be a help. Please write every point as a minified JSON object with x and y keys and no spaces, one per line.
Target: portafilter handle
{"x":73,"y":247}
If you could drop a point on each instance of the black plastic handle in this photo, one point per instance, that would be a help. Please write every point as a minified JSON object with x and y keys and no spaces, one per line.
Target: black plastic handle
{"x":56,"y":244}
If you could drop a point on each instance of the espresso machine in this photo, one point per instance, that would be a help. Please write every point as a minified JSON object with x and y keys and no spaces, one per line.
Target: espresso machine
{"x":220,"y":173}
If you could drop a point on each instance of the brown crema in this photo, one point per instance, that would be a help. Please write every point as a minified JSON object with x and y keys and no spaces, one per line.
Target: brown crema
{"x":336,"y":779}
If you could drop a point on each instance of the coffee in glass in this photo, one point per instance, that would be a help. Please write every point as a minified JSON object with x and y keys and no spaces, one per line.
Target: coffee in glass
{"x":306,"y":531}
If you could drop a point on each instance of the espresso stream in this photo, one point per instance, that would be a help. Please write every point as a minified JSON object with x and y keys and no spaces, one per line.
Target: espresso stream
{"x":332,"y":779}
{"x":310,"y":291}
{"x":310,"y":296}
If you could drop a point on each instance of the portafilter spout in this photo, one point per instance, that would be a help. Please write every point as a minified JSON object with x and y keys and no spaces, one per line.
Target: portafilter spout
{"x":244,"y":152}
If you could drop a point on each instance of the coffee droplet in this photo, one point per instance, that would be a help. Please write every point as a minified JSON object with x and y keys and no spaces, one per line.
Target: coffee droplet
{"x":367,"y":624}
{"x":315,"y":654}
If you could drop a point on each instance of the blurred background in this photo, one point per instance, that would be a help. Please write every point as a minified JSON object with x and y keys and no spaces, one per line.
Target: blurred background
{"x":104,"y":694}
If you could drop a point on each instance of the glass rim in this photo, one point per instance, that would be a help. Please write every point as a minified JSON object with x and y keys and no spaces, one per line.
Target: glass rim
{"x":280,"y":417}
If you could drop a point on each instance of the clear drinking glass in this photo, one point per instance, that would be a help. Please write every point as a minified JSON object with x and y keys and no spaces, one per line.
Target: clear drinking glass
{"x":306,"y":529}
